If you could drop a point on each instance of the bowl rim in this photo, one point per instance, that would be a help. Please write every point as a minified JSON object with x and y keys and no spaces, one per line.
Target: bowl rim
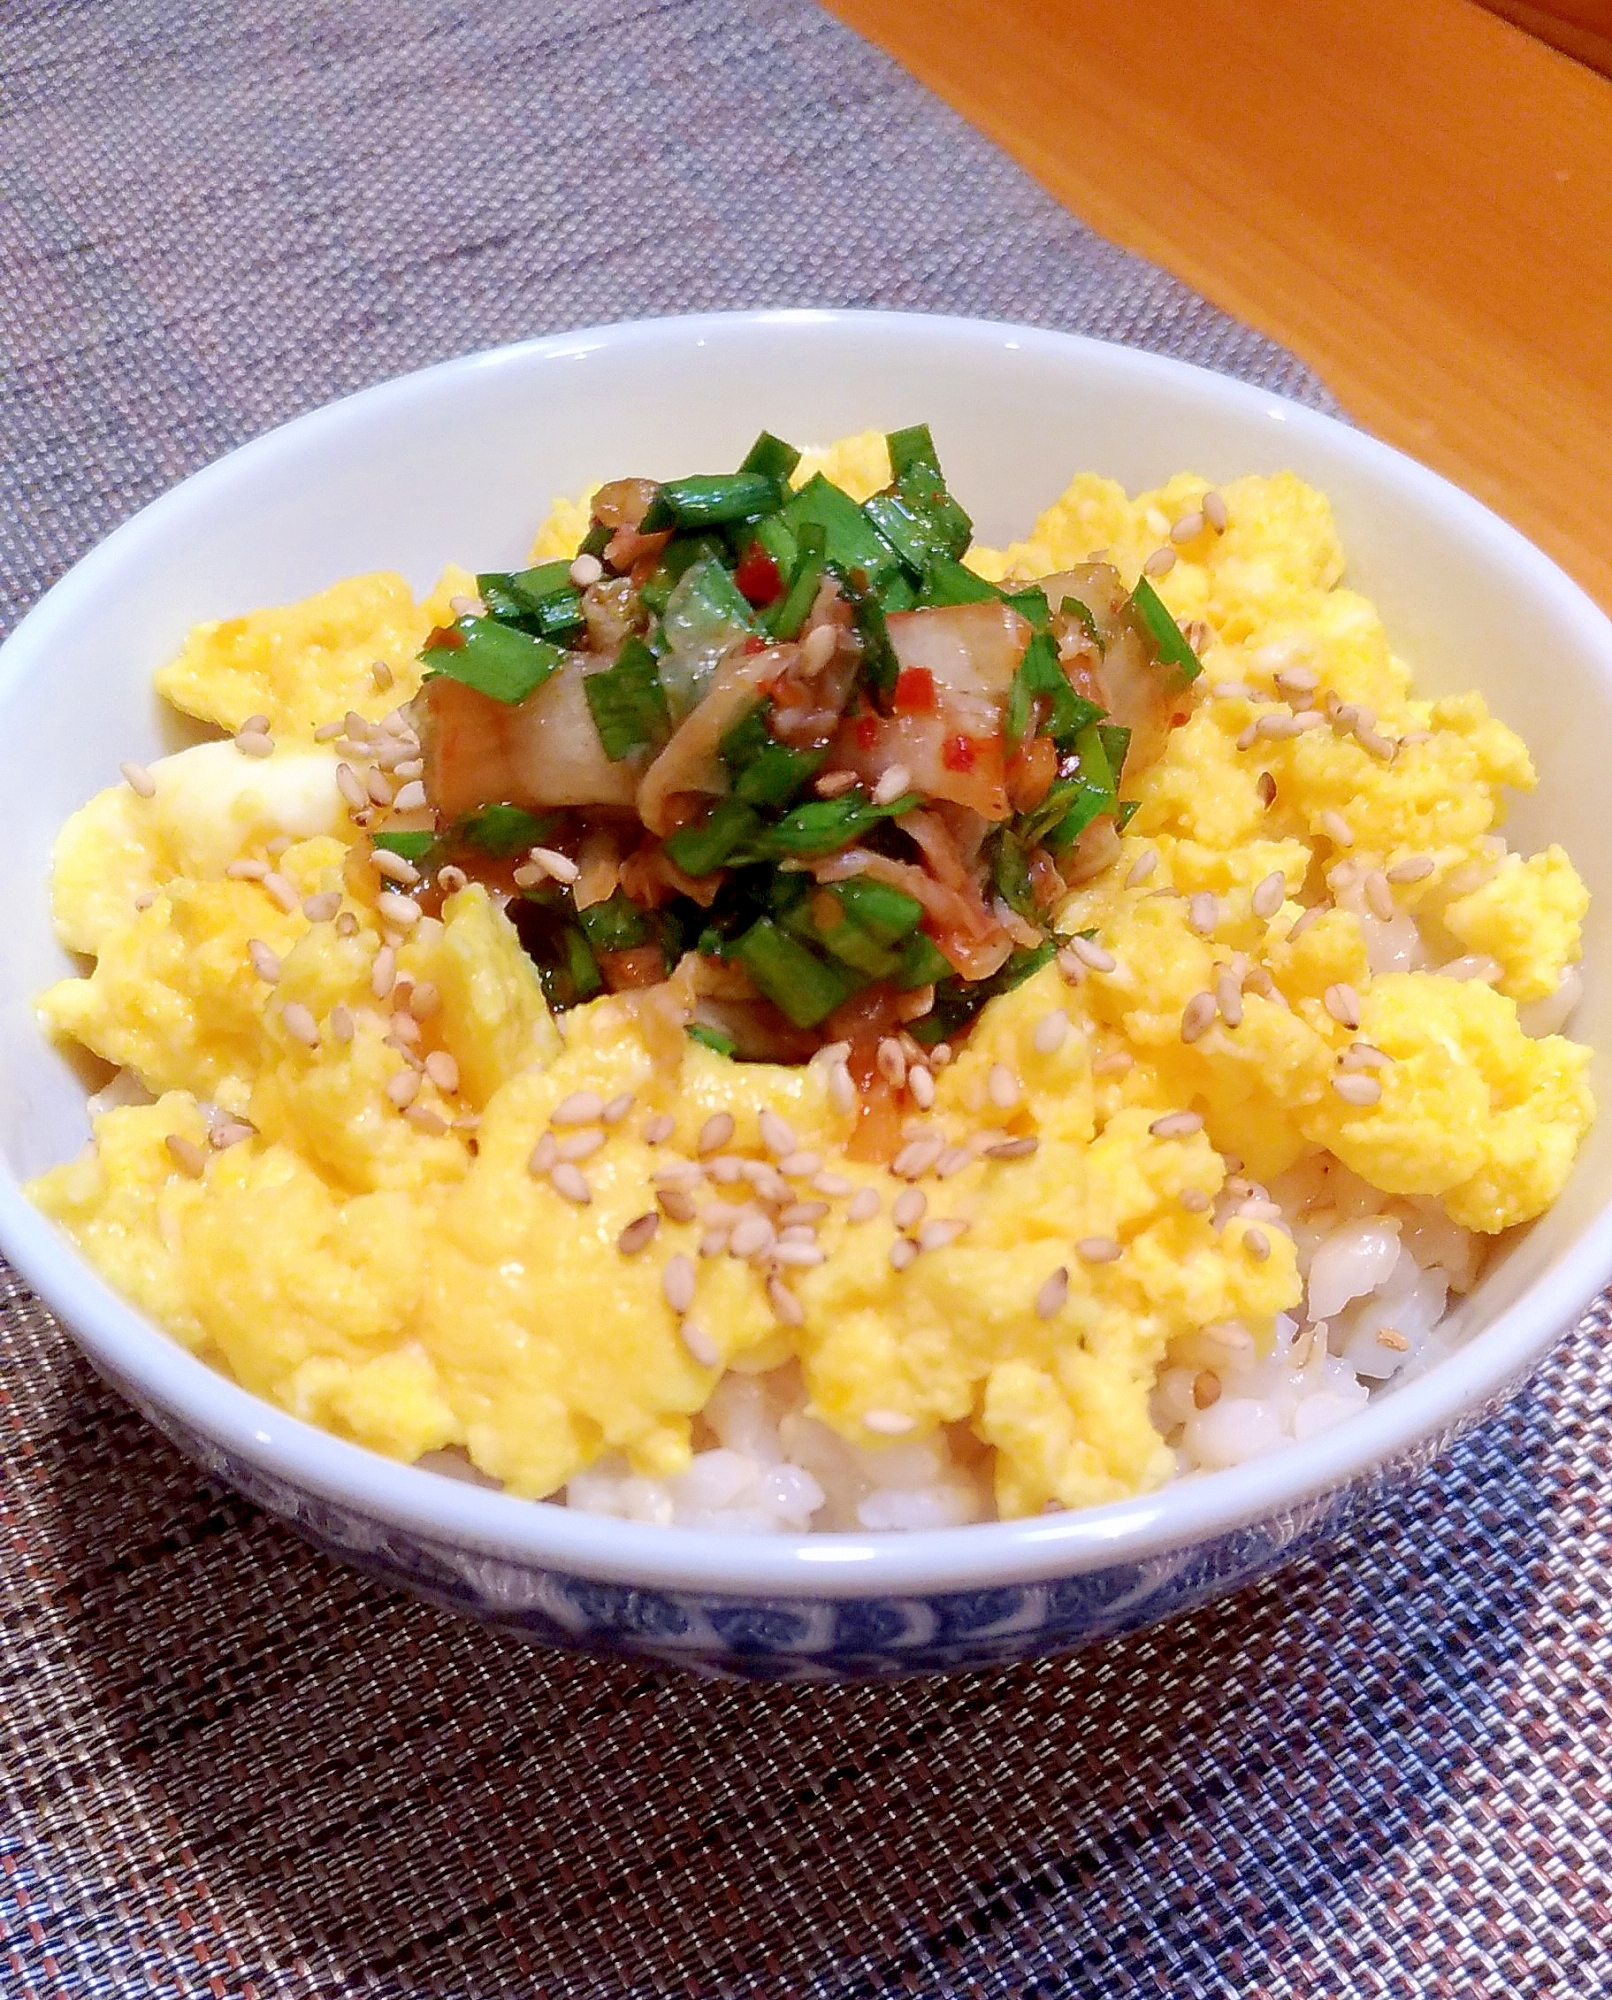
{"x":1286,"y":1487}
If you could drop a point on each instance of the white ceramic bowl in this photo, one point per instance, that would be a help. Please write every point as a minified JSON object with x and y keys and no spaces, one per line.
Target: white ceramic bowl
{"x":459,"y":462}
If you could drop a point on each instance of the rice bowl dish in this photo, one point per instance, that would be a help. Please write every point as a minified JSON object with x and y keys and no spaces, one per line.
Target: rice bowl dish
{"x":1157,"y":1147}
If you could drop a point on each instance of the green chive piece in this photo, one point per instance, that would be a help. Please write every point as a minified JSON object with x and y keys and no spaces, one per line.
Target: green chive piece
{"x":1031,"y":602}
{"x":779,"y":775}
{"x":1010,"y":876}
{"x":542,"y":600}
{"x":711,"y":1038}
{"x":851,"y":540}
{"x":880,"y":667}
{"x":923,"y":963}
{"x":496,"y":660}
{"x":1116,"y":742}
{"x":1040,"y":677}
{"x":787,"y":616}
{"x":616,"y":925}
{"x":1125,"y":812}
{"x":408,"y":846}
{"x":947,"y":581}
{"x":678,"y":557}
{"x":779,"y":541}
{"x":1072,"y":607}
{"x":822,"y":826}
{"x":845,"y":939}
{"x":707,"y":500}
{"x":911,"y":447}
{"x":1165,"y":633}
{"x":702,"y":848}
{"x":505,"y":830}
{"x":794,"y":979}
{"x":887,"y":914}
{"x":627,"y":701}
{"x":771,"y":457}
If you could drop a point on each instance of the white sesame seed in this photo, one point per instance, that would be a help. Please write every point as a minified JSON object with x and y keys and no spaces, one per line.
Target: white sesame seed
{"x":1187,"y":529}
{"x":1277,"y":727}
{"x":638,"y":1234}
{"x":841,"y":1089}
{"x":582,"y":1107}
{"x":1365,"y":1055}
{"x":567,"y":1181}
{"x":1357,"y":1089}
{"x":725,"y":1168}
{"x":254,"y":743}
{"x":677,"y":1282}
{"x":888,"y":1423}
{"x":381,"y":674}
{"x":283,"y":892}
{"x":1051,"y":1032}
{"x":864,"y":1205}
{"x":787,"y":1309}
{"x":1379,"y":895}
{"x":444,"y":1072}
{"x":426,"y":1120}
{"x":907,"y":1210}
{"x":1197,"y":1016}
{"x":1142,"y":867}
{"x":802,"y":1215}
{"x":400,"y":910}
{"x":395,"y":868}
{"x":676,"y":1203}
{"x":1229,"y":999}
{"x":1379,"y":746}
{"x":357,"y":728}
{"x":404,"y":1030}
{"x":351,"y":787}
{"x":451,"y":880}
{"x":1194,"y":1200}
{"x":777,"y":1135}
{"x":903,"y":1253}
{"x":265,"y":963}
{"x":560,"y":866}
{"x":1257,"y":1244}
{"x":1176,"y":1125}
{"x":1265,"y":785}
{"x":891,"y":1062}
{"x":1342,"y":1002}
{"x":378,"y":786}
{"x":1098,"y":1250}
{"x":139,"y":780}
{"x":465,"y":606}
{"x":1248,"y":736}
{"x":300,"y":1023}
{"x":1161,"y":562}
{"x":1234,"y":691}
{"x":321,"y":909}
{"x":1214,"y":511}
{"x":1269,"y":896}
{"x":410,"y":798}
{"x":895,"y":780}
{"x":952,"y":1161}
{"x":1002,"y":1087}
{"x":1012,"y":1149}
{"x":752,"y":1235}
{"x":658,"y":1129}
{"x":187,"y":1155}
{"x":715,"y":1133}
{"x":916,"y":1158}
{"x":941,"y":1233}
{"x":799,"y":1255}
{"x":233,"y":1132}
{"x":586,"y":571}
{"x":342,"y":1024}
{"x":1115,"y":1062}
{"x":1092,"y":954}
{"x":403,"y":1088}
{"x":1203,"y":912}
{"x":701,"y":1347}
{"x":327,"y":732}
{"x":1049,"y":1301}
{"x":247,"y":870}
{"x":1416,"y":868}
{"x":1303,"y":921}
{"x":1297,"y":680}
{"x":383,"y":973}
{"x":922,"y":1086}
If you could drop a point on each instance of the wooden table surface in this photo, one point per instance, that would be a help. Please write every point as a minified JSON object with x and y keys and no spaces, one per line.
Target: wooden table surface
{"x":1414,"y":195}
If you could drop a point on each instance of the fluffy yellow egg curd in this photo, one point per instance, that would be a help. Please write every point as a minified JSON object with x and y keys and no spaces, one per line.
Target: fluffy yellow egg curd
{"x":353,"y":1160}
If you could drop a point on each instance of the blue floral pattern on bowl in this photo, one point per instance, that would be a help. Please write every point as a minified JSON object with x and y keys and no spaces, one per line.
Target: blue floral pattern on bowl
{"x":798,"y":1638}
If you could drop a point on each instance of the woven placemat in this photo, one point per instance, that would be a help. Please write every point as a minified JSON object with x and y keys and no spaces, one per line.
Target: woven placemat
{"x":232,"y":1768}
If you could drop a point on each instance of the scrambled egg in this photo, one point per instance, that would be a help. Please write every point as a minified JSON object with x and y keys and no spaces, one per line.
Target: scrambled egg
{"x":413,"y":1285}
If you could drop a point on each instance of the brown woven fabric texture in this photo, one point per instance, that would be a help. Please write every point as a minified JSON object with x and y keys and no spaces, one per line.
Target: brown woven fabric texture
{"x":232,"y":1768}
